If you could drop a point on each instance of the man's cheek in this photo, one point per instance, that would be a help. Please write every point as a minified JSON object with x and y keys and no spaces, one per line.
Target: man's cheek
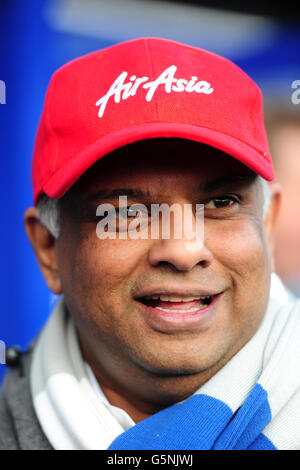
{"x":240,"y":249}
{"x":107,"y":261}
{"x":119,"y":257}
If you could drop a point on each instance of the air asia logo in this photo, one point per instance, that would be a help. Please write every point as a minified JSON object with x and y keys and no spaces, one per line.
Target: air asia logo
{"x":121,"y":90}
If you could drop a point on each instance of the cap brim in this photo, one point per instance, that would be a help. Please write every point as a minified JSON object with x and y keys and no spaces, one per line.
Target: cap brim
{"x":59,"y":183}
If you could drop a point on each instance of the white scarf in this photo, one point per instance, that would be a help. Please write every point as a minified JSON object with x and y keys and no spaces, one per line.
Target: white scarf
{"x":72,"y":412}
{"x":75,"y":415}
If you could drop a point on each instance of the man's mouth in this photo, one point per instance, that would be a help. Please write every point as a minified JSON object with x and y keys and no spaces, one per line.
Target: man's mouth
{"x":177,"y":304}
{"x":173,"y":311}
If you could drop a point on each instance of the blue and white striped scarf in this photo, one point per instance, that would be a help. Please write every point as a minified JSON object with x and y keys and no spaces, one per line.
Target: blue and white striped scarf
{"x":252,"y":403}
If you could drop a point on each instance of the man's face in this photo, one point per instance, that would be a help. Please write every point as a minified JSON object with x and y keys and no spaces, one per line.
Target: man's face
{"x":105,"y":282}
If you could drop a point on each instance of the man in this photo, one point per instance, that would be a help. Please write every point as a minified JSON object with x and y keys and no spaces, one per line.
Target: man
{"x":157,"y":342}
{"x":283,"y":130}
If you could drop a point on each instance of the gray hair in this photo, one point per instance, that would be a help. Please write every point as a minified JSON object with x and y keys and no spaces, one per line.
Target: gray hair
{"x":49,"y":212}
{"x":49,"y":209}
{"x":266,"y":192}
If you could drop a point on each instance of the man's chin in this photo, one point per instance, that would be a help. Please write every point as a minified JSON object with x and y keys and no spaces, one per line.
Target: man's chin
{"x":178,"y":370}
{"x":183,"y":369}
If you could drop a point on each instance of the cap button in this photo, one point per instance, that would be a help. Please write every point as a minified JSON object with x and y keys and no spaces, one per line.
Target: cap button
{"x":12,"y":356}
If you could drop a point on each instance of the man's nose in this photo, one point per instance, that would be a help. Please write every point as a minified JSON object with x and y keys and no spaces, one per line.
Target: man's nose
{"x":182,"y":254}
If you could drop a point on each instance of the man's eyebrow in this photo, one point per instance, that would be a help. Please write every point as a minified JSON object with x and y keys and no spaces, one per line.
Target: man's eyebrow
{"x":205,"y":187}
{"x":105,"y":194}
{"x":227,"y":182}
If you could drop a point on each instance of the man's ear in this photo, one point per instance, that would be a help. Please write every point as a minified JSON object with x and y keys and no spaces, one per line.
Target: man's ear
{"x":272,"y":215}
{"x":44,"y":245}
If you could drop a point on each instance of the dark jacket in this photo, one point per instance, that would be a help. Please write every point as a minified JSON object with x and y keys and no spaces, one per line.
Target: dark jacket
{"x":19,"y":427}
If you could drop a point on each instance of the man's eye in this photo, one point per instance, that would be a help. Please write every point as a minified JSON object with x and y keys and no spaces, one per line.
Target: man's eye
{"x":129,"y":212}
{"x":221,"y":201}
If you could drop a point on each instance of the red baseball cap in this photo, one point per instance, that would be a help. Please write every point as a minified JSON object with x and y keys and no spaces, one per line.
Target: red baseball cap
{"x":141,"y":89}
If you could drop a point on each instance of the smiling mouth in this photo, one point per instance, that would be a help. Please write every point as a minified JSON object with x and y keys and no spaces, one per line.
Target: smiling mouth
{"x":177,"y":305}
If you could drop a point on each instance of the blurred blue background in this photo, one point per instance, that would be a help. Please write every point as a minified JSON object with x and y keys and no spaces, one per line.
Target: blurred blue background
{"x":38,"y":36}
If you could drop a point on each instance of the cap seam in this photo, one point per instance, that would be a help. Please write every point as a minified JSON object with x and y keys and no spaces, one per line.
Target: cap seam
{"x":152,"y":72}
{"x":49,"y":123}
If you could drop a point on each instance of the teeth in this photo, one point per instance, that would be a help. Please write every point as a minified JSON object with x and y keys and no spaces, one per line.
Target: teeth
{"x":169,"y":298}
{"x":190,"y":310}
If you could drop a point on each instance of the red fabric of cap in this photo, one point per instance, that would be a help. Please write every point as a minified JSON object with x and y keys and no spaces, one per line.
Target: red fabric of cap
{"x":140,"y":89}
